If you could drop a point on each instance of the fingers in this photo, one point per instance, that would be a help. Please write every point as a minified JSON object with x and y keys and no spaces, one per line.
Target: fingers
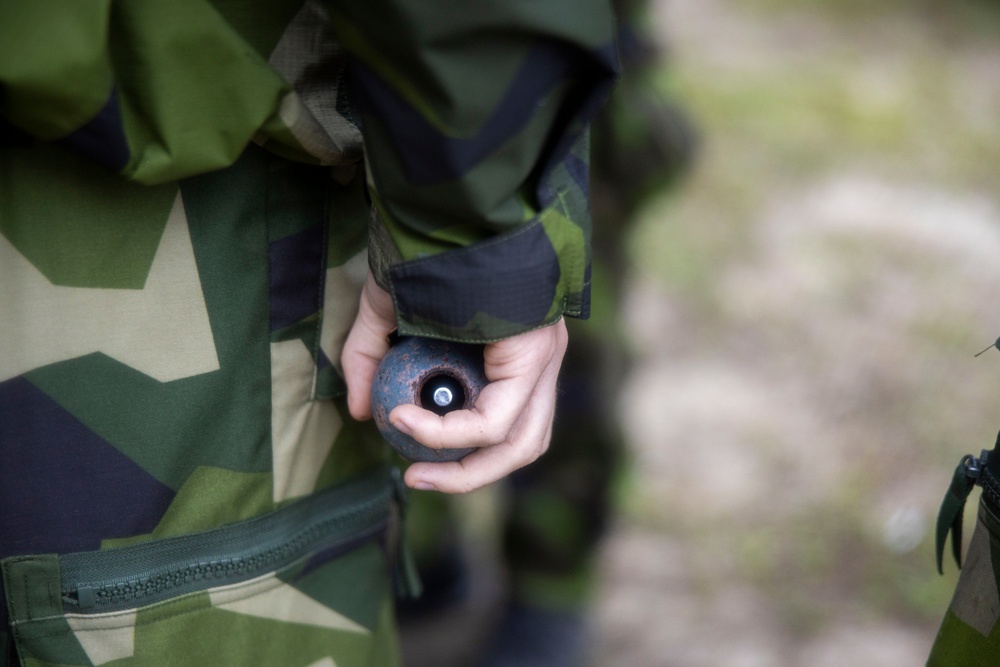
{"x":509,"y":437}
{"x":488,"y":423}
{"x":515,"y":368}
{"x":365,"y":346}
{"x":529,"y":440}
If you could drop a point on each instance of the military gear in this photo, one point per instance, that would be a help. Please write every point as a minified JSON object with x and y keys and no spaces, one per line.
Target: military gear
{"x":191,"y":195}
{"x":479,"y":183}
{"x":166,"y":372}
{"x":437,"y":375}
{"x":969,"y":635}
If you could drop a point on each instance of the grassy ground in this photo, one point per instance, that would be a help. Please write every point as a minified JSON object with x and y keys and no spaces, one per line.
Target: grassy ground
{"x":806,"y":306}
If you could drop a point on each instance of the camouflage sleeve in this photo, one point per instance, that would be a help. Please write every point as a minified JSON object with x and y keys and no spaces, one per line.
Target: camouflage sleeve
{"x":474,"y":118}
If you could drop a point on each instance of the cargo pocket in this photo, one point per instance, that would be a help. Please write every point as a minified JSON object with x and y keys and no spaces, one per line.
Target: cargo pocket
{"x":307,"y":585}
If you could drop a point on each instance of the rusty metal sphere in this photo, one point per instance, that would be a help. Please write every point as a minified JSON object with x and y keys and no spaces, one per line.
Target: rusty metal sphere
{"x":436,"y":375}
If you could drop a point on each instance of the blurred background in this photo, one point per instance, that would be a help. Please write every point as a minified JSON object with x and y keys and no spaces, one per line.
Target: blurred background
{"x":803,"y":307}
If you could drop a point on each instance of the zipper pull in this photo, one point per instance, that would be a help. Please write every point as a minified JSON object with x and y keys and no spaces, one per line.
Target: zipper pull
{"x":86,"y":597}
{"x":949,"y":520}
{"x":407,"y":577}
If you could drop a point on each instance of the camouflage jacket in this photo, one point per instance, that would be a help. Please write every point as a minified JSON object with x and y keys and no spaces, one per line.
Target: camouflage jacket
{"x":472,"y":117}
{"x":190,"y":195}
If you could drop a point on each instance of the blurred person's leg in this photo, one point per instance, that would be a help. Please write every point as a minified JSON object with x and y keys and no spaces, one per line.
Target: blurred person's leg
{"x":559,"y":508}
{"x":434,"y":535}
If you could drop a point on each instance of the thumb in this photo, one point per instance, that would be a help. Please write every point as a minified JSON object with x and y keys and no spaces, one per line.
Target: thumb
{"x":365,"y":346}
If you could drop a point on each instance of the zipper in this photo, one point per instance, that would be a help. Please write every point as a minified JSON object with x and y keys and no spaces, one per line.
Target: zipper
{"x":335,"y":521}
{"x":986,"y":479}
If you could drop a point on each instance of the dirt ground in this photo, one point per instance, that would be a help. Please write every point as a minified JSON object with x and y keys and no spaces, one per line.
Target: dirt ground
{"x":805,"y":308}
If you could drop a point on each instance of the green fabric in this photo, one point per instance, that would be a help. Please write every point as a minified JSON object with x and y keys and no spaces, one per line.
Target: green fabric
{"x":325,"y":606}
{"x":117,"y":251}
{"x":96,"y":389}
{"x":435,"y":53}
{"x":182,"y":124}
{"x":182,"y":236}
{"x":193,"y":509}
{"x":42,"y":602}
{"x":969,"y":635}
{"x":188,"y":86}
{"x":959,"y":645}
{"x":60,"y":76}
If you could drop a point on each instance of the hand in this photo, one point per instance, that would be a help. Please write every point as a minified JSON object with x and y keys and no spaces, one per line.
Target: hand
{"x":511,"y":421}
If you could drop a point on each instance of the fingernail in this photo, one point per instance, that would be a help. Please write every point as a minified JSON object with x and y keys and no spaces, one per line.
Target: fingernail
{"x":423,"y":486}
{"x":402,"y":427}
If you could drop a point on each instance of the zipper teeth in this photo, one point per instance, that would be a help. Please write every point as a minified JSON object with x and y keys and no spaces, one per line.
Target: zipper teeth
{"x":991,"y":486}
{"x":243,"y":566}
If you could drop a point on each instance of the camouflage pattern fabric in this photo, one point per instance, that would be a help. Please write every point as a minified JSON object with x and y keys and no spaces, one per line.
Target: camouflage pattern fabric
{"x":186,"y":218}
{"x":556,"y":510}
{"x":473,"y":118}
{"x":166,"y":363}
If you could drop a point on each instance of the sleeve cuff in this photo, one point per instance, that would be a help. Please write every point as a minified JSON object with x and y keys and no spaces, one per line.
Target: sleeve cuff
{"x":495,"y":289}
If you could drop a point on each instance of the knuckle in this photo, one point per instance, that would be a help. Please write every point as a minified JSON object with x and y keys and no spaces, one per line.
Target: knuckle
{"x":530,"y":454}
{"x":497,"y":435}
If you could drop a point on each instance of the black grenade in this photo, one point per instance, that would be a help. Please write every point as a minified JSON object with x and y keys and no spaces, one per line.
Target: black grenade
{"x":436,"y":375}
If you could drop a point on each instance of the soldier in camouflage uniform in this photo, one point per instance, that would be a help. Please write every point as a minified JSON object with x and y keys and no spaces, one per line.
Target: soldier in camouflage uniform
{"x":969,"y":635}
{"x":193,"y":195}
